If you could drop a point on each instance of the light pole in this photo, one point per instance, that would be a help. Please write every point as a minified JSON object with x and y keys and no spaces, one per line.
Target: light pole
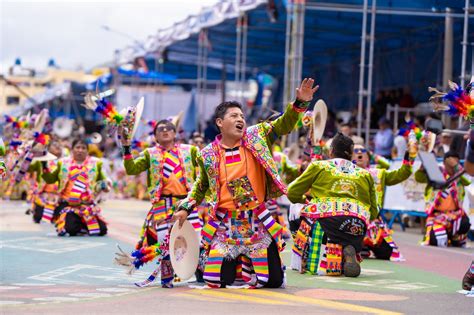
{"x":125,"y":35}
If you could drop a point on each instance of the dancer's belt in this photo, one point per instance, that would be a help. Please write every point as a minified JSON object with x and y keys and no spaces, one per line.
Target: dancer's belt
{"x":173,"y":196}
{"x":261,"y":212}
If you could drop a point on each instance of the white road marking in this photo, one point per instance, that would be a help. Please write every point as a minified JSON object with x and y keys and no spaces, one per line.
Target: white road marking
{"x":51,"y":245}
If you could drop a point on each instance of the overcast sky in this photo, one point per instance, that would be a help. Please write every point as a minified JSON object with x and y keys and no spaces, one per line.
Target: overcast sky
{"x":71,"y":33}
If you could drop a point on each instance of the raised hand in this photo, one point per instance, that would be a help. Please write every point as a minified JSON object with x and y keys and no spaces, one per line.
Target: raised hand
{"x":123,"y":136}
{"x":306,"y":91}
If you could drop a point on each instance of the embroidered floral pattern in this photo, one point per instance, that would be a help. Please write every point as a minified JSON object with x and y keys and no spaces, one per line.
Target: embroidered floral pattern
{"x":334,"y":206}
{"x":341,"y":166}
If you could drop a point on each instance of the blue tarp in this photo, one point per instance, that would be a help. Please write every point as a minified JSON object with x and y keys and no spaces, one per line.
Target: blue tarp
{"x":150,"y":75}
{"x":408,"y":49}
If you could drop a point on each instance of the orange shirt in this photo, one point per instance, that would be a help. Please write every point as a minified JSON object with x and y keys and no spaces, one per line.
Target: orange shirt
{"x":234,"y":165}
{"x":171,"y":182}
{"x":447,"y":204}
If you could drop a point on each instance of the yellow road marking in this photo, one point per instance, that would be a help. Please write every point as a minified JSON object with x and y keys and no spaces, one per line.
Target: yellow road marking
{"x":237,"y":297}
{"x":323,"y":303}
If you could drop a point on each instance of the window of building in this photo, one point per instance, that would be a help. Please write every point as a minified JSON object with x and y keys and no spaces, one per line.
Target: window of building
{"x":13,"y":100}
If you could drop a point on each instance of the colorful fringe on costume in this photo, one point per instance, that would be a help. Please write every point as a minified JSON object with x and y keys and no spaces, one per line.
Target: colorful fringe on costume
{"x":456,"y":102}
{"x":105,"y":108}
{"x":16,"y":123}
{"x":333,"y":259}
{"x":377,"y":232}
{"x":404,"y":132}
{"x":145,"y":254}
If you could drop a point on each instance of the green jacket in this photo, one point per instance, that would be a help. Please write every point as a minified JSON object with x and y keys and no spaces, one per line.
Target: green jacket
{"x":338,"y":187}
{"x":61,"y":173}
{"x":152,"y":162}
{"x":287,"y":169}
{"x":258,"y":139}
{"x":383,"y":177}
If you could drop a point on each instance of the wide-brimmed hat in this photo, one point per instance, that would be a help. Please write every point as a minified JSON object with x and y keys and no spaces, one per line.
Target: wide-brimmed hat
{"x":184,"y":250}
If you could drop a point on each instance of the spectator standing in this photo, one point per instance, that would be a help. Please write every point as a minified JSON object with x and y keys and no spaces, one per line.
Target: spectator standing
{"x":384,"y":139}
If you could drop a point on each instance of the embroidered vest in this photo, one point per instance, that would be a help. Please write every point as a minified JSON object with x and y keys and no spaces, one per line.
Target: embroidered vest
{"x":156,"y":169}
{"x":254,"y":140}
{"x":90,"y":165}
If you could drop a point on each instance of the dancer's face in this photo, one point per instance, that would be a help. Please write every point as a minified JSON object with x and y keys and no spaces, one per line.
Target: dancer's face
{"x":360,"y":156}
{"x":55,"y":149}
{"x":165,"y":134}
{"x":79,"y":152}
{"x":450,"y":164}
{"x":233,"y":124}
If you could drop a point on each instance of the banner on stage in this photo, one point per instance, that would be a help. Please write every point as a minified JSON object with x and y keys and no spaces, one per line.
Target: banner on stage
{"x":409,"y":195}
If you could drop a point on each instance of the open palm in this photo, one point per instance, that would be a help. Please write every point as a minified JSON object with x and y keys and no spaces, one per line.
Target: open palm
{"x":306,"y":91}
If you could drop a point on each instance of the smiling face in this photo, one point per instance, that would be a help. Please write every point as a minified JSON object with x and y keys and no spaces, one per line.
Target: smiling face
{"x":233,"y":125}
{"x":360,"y":156}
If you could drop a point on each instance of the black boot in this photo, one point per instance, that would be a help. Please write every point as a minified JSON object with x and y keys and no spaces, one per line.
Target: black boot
{"x":351,"y":267}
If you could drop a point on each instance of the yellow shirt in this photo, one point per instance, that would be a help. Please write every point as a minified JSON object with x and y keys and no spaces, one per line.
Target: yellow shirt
{"x":235,"y":164}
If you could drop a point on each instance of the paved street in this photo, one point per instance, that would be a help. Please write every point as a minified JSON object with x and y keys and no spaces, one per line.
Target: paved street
{"x":44,"y":274}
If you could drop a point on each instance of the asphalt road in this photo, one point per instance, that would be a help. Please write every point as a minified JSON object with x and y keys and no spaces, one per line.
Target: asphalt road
{"x":44,"y":274}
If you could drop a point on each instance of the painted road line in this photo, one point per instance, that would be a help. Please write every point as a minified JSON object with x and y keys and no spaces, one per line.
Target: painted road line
{"x":237,"y":297}
{"x":200,"y":298}
{"x":323,"y":303}
{"x":49,"y":245}
{"x":11,"y":302}
{"x":75,"y":273}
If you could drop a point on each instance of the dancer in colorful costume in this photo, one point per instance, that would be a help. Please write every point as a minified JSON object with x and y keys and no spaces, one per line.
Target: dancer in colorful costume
{"x":468,"y":279}
{"x":80,"y":178}
{"x":379,"y":239}
{"x":288,"y":172}
{"x":238,"y":173}
{"x":447,"y":223}
{"x":3,"y":167}
{"x":45,"y":197}
{"x":308,"y":237}
{"x":343,"y":202}
{"x":171,"y":170}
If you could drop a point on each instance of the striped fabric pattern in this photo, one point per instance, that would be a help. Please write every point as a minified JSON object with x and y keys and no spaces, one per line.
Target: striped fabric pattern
{"x":334,"y":259}
{"x":246,"y":269}
{"x":93,"y":226}
{"x":270,"y":224}
{"x":260,"y":266}
{"x":172,"y":165}
{"x":212,"y":270}
{"x":149,"y":280}
{"x":314,"y":253}
{"x":232,"y":156}
{"x":441,"y":235}
{"x":48,"y":212}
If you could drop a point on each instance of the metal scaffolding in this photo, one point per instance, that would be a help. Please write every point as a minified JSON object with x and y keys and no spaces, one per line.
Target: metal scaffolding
{"x":465,"y":43}
{"x":365,"y":80}
{"x":370,"y":75}
{"x":241,"y":54}
{"x":201,"y":82}
{"x":294,"y":48}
